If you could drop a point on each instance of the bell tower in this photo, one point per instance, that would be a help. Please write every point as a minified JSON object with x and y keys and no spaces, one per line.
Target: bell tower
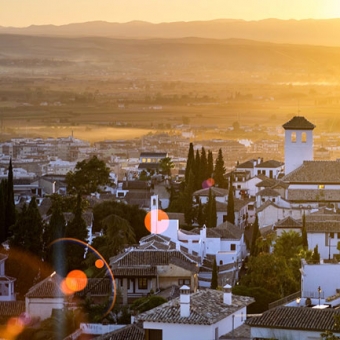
{"x":298,"y":142}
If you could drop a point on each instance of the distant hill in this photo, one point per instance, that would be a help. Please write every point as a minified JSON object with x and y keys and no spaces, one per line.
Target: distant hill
{"x":311,"y":32}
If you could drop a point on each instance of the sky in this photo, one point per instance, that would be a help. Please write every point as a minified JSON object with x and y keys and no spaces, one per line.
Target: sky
{"x":22,"y":13}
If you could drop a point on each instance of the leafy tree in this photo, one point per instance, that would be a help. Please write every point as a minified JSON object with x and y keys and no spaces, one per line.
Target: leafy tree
{"x":262,"y":297}
{"x":254,"y":236}
{"x":214,"y":277}
{"x":28,"y":229}
{"x":230,"y":206}
{"x":76,"y":229}
{"x":219,"y":172}
{"x":166,"y":165}
{"x":304,"y":233}
{"x":118,"y":233}
{"x":88,"y":176}
{"x":132,"y":213}
{"x":144,"y":304}
{"x":272,"y":273}
{"x":288,"y":245}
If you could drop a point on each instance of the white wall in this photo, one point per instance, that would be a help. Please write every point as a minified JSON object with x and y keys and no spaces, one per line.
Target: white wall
{"x":296,"y":153}
{"x":43,"y":307}
{"x":198,"y":332}
{"x":287,"y":334}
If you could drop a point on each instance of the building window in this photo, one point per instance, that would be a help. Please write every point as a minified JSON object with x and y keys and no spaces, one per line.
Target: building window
{"x":238,"y":186}
{"x":121,"y":283}
{"x":142,"y":283}
{"x":321,"y":186}
{"x":233,"y":246}
{"x":182,"y":282}
{"x":293,"y":137}
{"x":221,"y":262}
{"x":154,"y":334}
{"x":143,"y":160}
{"x":304,"y":137}
{"x":273,"y":200}
{"x":331,"y":235}
{"x":338,"y":235}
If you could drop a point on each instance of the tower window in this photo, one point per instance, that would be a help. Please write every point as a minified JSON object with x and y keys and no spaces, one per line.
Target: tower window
{"x":293,"y":137}
{"x":304,"y":137}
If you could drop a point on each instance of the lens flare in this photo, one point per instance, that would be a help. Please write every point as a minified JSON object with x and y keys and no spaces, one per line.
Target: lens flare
{"x":76,"y":280}
{"x":64,"y":285}
{"x":208,"y":183}
{"x":14,"y":327}
{"x":99,"y":264}
{"x":156,"y":221}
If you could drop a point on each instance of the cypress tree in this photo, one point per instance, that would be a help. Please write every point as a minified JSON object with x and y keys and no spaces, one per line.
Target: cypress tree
{"x":204,"y":166}
{"x":214,"y":276}
{"x":219,"y":172}
{"x":210,"y":166}
{"x":200,"y":214}
{"x":198,"y":183}
{"x":187,"y":200}
{"x":9,"y":201}
{"x":211,"y":214}
{"x":3,"y":234}
{"x":76,"y":229}
{"x":190,"y":162}
{"x":28,"y":230}
{"x":230,"y":206}
{"x":55,"y":253}
{"x":254,"y":236}
{"x":304,"y":233}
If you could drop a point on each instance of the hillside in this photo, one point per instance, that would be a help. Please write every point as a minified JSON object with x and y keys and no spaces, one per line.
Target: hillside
{"x":311,"y":32}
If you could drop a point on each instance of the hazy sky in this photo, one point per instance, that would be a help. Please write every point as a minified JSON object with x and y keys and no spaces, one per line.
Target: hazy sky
{"x":27,"y":12}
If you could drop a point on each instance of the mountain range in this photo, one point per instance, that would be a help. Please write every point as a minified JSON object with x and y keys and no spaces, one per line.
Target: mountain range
{"x":310,"y":31}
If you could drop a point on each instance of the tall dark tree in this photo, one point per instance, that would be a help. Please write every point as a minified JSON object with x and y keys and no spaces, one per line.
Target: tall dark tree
{"x":76,"y":229}
{"x":255,"y":235}
{"x":316,"y":255}
{"x":203,"y":166}
{"x":196,"y":172}
{"x":10,"y":215}
{"x":210,"y":211}
{"x":88,"y":176}
{"x":304,"y":233}
{"x":230,"y":206}
{"x":28,"y":230}
{"x":190,"y":162}
{"x":219,"y":172}
{"x":200,"y":214}
{"x":55,"y":253}
{"x":186,"y":199}
{"x":214,"y":276}
{"x":210,"y":165}
{"x":3,"y":234}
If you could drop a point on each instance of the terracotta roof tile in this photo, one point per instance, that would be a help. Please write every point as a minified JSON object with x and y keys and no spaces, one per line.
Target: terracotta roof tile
{"x":12,"y":308}
{"x":268,"y":192}
{"x":269,"y":164}
{"x":298,"y":123}
{"x":129,"y":332}
{"x":302,"y":318}
{"x":48,"y":288}
{"x":319,"y":172}
{"x":206,"y":308}
{"x":288,"y":222}
{"x":313,"y":195}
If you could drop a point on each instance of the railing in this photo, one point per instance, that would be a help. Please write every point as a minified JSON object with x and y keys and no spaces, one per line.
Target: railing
{"x":284,"y":300}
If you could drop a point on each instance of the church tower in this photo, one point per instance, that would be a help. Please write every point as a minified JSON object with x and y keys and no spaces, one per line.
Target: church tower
{"x":298,"y":142}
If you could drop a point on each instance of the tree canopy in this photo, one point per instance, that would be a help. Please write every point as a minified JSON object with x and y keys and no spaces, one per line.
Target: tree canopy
{"x":88,"y":176}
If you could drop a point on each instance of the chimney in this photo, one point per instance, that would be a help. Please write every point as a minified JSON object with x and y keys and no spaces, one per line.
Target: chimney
{"x":184,"y":300}
{"x":227,"y":294}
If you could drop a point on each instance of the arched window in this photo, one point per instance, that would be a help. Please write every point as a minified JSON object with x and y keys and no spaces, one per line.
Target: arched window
{"x":293,"y":137}
{"x":303,"y":137}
